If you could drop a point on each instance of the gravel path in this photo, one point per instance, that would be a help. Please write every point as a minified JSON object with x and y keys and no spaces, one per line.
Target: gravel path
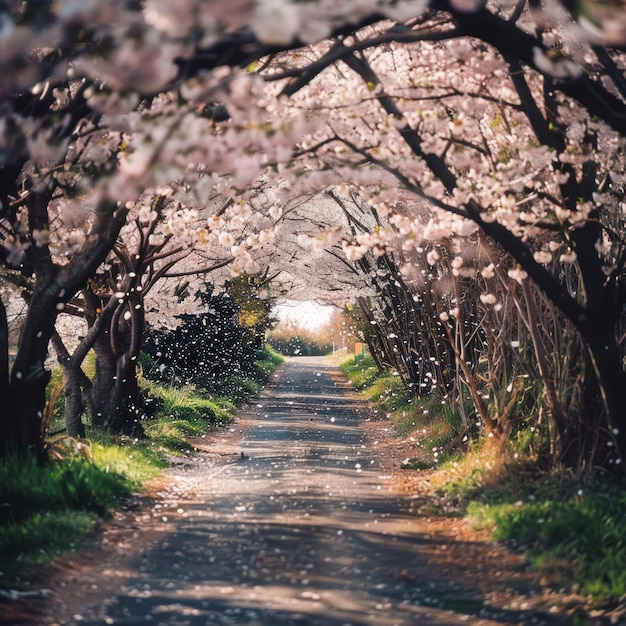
{"x":287,"y":518}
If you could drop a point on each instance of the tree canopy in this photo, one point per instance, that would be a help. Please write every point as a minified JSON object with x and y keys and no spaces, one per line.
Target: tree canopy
{"x":456,"y":166}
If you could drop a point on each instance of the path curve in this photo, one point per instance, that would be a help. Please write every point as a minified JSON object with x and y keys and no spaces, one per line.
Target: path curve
{"x":293,"y":522}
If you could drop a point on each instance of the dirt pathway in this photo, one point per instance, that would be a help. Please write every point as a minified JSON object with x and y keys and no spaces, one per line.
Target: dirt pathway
{"x":298,"y":521}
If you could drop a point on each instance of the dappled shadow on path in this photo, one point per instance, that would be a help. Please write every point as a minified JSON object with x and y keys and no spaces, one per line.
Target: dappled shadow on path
{"x":297,"y":559}
{"x":304,"y":529}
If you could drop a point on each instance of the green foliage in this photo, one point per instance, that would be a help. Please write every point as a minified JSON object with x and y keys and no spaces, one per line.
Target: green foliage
{"x":298,"y":345}
{"x":431,"y":422}
{"x":588,"y":531}
{"x":575,"y":533}
{"x":137,"y":460}
{"x":173,"y":435}
{"x":76,"y":484}
{"x":47,"y":510}
{"x":225,"y":336}
{"x":361,"y":373}
{"x":250,"y":294}
{"x":237,"y":388}
{"x":54,"y":394}
{"x":269,"y":354}
{"x":146,"y":363}
{"x":42,"y":536}
{"x":188,"y":404}
{"x":389,"y":393}
{"x":267,"y":360}
{"x":531,"y":441}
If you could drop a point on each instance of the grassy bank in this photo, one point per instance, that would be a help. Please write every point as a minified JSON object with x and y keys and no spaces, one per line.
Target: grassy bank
{"x":571,"y":528}
{"x":46,"y":511}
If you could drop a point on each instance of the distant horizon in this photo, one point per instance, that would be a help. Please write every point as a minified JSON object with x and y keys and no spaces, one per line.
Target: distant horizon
{"x":306,"y":313}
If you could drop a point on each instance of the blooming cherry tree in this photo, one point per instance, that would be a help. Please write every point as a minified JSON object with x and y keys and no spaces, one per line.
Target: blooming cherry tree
{"x":497,"y":130}
{"x":448,"y":116}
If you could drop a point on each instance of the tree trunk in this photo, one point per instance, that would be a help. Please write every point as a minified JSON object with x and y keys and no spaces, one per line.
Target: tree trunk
{"x":126,"y":408}
{"x":26,"y":400}
{"x":75,"y":383}
{"x":609,"y":368}
{"x":116,"y":397}
{"x":4,"y":352}
{"x":104,"y":380}
{"x":21,"y":415}
{"x":74,"y":406}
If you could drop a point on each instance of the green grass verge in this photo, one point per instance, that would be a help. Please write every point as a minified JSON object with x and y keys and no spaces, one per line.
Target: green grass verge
{"x":47,"y":510}
{"x":266,"y":363}
{"x":576,"y":534}
{"x":430,"y":422}
{"x":361,"y":373}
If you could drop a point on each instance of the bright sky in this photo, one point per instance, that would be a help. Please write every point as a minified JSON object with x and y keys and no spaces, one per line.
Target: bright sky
{"x":307,"y":314}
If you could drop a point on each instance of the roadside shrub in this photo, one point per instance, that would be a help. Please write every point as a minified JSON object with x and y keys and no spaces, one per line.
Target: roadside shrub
{"x":361,"y":373}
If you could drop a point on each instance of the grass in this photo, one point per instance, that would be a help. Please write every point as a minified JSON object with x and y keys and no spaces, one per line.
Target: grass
{"x":571,"y":528}
{"x":45,"y":511}
{"x":576,"y":531}
{"x":138,"y":461}
{"x":361,"y":373}
{"x":266,"y":362}
{"x":428,"y":421}
{"x":238,"y":388}
{"x":191,"y":405}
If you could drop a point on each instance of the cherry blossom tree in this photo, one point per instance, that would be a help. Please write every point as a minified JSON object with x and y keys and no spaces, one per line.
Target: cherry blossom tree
{"x":79,"y":128}
{"x":496,"y":117}
{"x":168,"y":248}
{"x":495,"y":120}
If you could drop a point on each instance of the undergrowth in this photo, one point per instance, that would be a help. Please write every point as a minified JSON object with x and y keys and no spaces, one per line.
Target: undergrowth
{"x":361,"y":373}
{"x":572,"y":528}
{"x":430,"y":422}
{"x":45,"y":510}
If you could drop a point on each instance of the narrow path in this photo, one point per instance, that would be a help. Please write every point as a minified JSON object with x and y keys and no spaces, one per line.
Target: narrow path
{"x":304,"y":529}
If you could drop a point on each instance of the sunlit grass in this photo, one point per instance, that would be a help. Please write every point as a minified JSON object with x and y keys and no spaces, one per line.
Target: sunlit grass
{"x":584,"y":527}
{"x":74,"y":483}
{"x":361,"y":373}
{"x":571,"y":529}
{"x":137,"y":460}
{"x":188,"y":404}
{"x":388,"y":393}
{"x":45,"y":510}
